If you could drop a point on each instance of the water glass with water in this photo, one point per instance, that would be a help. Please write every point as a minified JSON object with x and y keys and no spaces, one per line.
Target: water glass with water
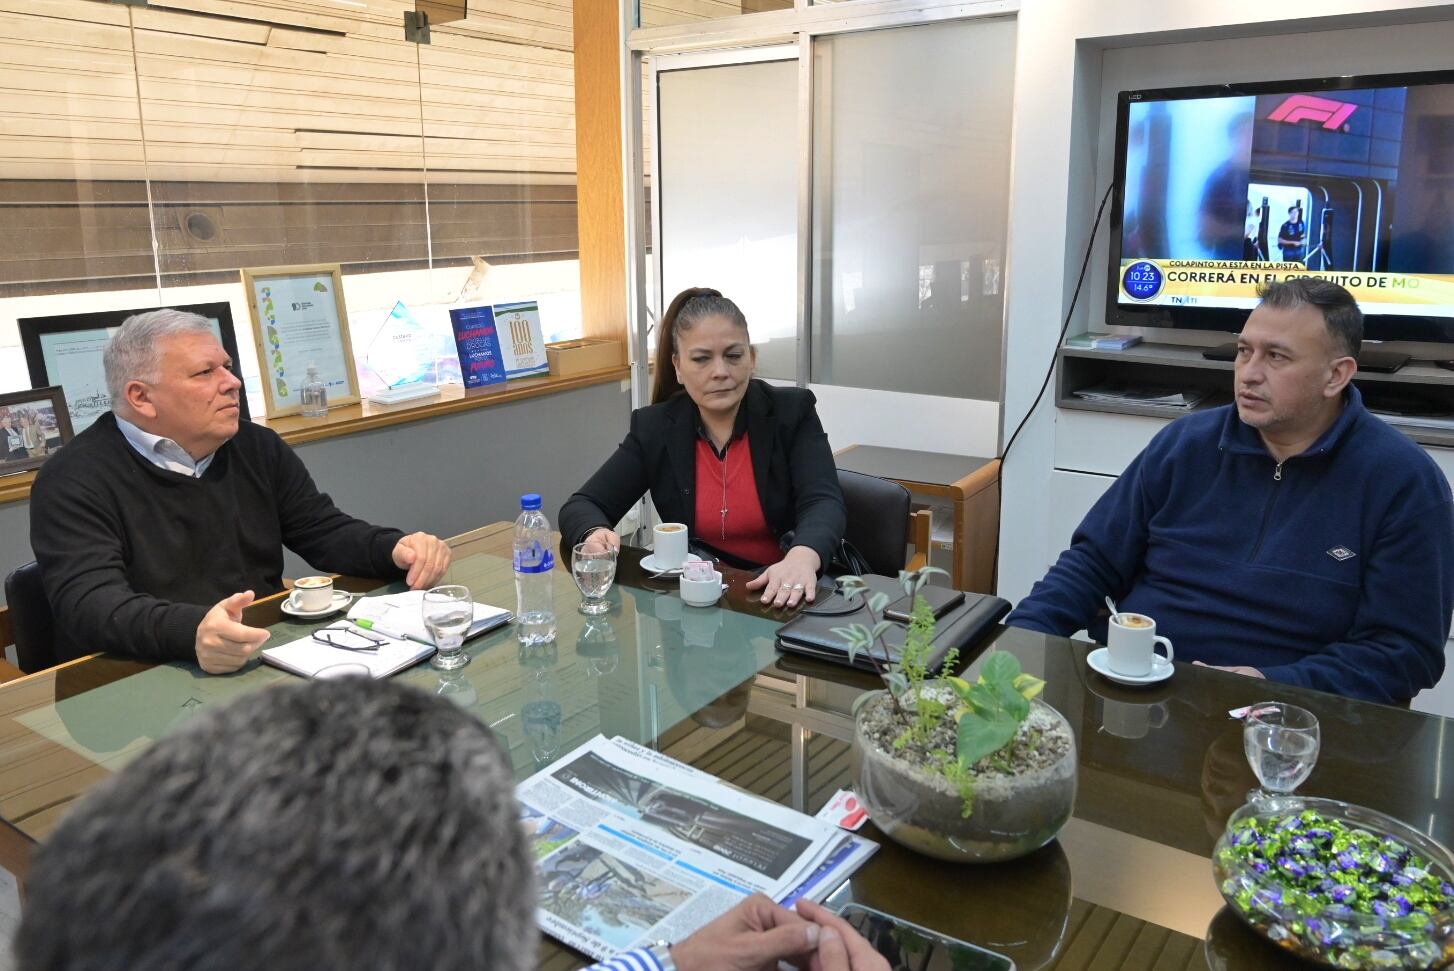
{"x":594,"y":572}
{"x":1282,"y":743}
{"x":448,"y":612}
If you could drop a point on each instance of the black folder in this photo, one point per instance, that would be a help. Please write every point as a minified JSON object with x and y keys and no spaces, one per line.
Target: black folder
{"x":811,"y":632}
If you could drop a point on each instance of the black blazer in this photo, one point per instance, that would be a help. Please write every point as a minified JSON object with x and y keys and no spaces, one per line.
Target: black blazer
{"x":797,"y":481}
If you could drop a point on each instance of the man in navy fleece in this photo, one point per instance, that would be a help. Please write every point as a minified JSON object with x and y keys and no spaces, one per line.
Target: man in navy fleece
{"x":1295,"y":537}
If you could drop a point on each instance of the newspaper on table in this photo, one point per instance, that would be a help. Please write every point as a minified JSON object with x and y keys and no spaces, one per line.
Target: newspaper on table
{"x":634,"y":847}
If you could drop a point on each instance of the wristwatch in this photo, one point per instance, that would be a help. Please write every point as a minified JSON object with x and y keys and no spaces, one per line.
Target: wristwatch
{"x":661,"y":950}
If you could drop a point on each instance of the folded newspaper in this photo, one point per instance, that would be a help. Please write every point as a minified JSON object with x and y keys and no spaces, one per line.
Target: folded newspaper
{"x":1118,"y":392}
{"x":635,"y":847}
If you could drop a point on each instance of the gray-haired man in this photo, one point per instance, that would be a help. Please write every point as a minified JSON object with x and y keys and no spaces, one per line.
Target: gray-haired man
{"x":157,"y":525}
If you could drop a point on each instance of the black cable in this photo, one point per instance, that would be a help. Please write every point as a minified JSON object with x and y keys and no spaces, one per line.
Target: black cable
{"x":1085,"y":264}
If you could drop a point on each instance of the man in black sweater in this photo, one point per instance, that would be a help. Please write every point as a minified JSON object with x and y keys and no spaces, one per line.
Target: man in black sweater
{"x":155,"y":526}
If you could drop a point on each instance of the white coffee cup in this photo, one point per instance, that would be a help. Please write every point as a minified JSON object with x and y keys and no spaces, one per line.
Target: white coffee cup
{"x":701,"y":593}
{"x":1131,"y":644}
{"x":1128,"y":720}
{"x":670,"y":547}
{"x":312,"y":593}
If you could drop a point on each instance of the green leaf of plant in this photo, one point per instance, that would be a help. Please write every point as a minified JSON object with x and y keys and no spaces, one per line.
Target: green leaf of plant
{"x":897,"y":683}
{"x":877,"y":602}
{"x":979,"y":737}
{"x":851,"y":586}
{"x":1029,"y":686}
{"x":961,"y":687}
{"x":923,"y":574}
{"x":879,"y":628}
{"x":906,"y":580}
{"x":1016,"y":705}
{"x":1001,"y":667}
{"x":984,"y":700}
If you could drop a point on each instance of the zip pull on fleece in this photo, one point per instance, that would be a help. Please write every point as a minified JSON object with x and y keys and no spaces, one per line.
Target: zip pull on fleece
{"x":1277,"y":472}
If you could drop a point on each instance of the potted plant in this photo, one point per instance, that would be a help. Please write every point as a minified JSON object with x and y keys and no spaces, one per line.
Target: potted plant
{"x":976,"y":771}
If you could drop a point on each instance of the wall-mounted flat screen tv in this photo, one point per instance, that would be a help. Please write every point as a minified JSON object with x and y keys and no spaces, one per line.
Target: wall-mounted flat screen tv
{"x":1220,"y":189}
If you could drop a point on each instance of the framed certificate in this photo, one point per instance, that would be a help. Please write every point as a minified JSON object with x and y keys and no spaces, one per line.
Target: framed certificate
{"x":298,"y":319}
{"x":66,"y":350}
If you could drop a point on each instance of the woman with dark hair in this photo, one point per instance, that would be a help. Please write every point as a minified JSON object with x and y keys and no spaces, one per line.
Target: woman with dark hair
{"x":745,"y":465}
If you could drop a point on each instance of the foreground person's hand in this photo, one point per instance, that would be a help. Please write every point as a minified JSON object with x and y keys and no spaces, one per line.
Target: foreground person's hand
{"x":840,"y":947}
{"x":753,"y":936}
{"x":224,"y":642}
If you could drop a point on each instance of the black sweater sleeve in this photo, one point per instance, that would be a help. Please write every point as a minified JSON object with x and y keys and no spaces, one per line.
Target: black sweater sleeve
{"x":610,"y":493}
{"x":79,"y":543}
{"x":317,"y":530}
{"x":820,"y":517}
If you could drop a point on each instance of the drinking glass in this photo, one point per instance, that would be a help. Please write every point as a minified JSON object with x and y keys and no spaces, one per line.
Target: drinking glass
{"x":1281,"y":742}
{"x":593,"y":572}
{"x":448,"y":612}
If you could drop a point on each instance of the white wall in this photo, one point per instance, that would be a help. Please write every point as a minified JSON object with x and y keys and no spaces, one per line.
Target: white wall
{"x":1061,"y":164}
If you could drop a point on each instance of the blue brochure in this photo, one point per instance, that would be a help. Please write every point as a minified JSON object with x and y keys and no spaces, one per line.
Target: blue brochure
{"x":480,"y":360}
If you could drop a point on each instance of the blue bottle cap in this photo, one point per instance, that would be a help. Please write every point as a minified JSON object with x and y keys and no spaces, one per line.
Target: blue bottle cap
{"x":531,"y":500}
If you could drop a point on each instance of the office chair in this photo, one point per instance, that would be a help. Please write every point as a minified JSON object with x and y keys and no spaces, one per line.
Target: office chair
{"x":879,"y":523}
{"x":30,"y":619}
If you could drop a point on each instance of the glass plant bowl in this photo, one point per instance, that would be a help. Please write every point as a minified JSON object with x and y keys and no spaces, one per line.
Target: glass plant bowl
{"x":1338,"y":884}
{"x":1012,"y":815}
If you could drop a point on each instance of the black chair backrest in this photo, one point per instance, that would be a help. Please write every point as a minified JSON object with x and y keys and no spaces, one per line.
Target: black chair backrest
{"x":878,"y":520}
{"x":30,"y":619}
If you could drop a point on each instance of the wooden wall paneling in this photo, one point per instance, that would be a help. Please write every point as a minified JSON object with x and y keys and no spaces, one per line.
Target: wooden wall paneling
{"x":82,"y":11}
{"x":601,"y":205}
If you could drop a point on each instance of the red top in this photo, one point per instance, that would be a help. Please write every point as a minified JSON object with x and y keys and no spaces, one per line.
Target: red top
{"x":729,"y":512}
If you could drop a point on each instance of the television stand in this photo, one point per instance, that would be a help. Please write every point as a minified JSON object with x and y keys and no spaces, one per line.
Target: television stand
{"x":1378,"y":362}
{"x":1422,"y":394}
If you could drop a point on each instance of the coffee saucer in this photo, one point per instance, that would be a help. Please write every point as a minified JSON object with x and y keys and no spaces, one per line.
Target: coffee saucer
{"x":1100,"y":662}
{"x":649,"y":563}
{"x":340,"y":600}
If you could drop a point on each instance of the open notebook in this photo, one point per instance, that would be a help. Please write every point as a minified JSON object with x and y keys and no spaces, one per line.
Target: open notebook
{"x":401,"y":615}
{"x":395,"y":620}
{"x":307,"y":655}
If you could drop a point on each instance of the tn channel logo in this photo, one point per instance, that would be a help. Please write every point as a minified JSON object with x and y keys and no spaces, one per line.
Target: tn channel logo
{"x":1142,"y":280}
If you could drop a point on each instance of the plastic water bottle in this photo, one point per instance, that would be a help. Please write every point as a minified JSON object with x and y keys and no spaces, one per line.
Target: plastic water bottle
{"x":534,"y":564}
{"x":314,"y":395}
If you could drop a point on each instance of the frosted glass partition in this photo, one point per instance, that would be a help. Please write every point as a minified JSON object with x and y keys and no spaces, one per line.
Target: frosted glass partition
{"x":911,"y":153}
{"x":729,"y":196}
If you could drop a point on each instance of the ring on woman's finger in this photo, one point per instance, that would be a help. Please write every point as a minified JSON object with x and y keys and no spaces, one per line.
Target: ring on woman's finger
{"x":797,"y":586}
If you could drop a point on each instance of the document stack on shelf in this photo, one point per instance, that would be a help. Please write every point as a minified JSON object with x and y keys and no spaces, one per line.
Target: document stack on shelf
{"x":635,"y":847}
{"x":1103,"y":341}
{"x":1142,"y":395}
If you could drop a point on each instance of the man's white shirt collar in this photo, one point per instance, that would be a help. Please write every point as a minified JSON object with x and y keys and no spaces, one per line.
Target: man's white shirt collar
{"x":163,"y":452}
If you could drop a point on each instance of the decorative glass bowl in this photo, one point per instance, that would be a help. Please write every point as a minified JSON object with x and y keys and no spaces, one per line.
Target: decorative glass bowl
{"x":1013,"y":814}
{"x":1338,"y":884}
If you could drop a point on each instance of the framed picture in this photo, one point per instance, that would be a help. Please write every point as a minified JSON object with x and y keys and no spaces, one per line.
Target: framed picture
{"x":298,"y":319}
{"x":33,"y":425}
{"x":66,"y":350}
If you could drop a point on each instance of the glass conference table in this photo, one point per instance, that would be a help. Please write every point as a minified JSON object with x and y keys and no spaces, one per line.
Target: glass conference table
{"x":1127,"y":885}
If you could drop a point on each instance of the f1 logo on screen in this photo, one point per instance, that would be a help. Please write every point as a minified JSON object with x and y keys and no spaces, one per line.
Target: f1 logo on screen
{"x":1308,"y":107}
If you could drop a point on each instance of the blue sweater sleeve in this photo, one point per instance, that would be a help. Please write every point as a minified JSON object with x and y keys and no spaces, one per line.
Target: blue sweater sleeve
{"x":638,"y":960}
{"x":1106,"y":552}
{"x":1395,"y":645}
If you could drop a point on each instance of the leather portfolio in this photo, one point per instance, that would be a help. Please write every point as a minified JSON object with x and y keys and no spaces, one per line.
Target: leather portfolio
{"x":811,"y":632}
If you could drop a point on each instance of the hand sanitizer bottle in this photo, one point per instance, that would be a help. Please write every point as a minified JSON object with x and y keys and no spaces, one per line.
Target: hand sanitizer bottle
{"x":314,"y":395}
